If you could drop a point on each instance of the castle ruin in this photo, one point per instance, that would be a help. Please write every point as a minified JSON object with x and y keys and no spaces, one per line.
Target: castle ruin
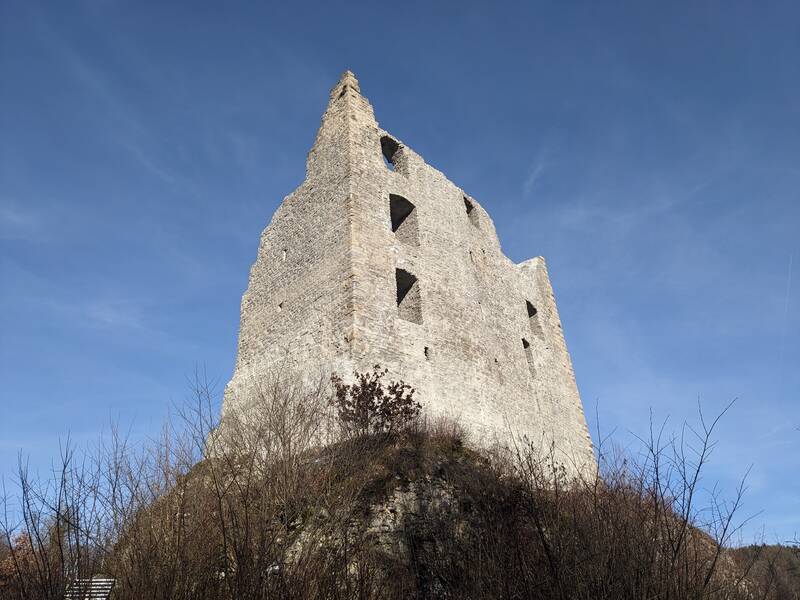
{"x":378,"y":259}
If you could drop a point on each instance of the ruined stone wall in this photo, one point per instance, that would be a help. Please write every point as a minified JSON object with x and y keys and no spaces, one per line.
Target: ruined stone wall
{"x":388,"y":262}
{"x":297,"y":310}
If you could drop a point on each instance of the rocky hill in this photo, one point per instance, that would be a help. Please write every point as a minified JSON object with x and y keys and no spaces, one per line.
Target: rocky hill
{"x":419,"y":514}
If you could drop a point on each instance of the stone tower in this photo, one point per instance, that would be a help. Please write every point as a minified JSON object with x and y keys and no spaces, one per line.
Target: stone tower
{"x":378,"y":259}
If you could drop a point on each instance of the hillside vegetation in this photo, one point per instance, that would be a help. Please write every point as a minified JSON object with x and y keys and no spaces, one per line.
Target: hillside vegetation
{"x":348,"y":493}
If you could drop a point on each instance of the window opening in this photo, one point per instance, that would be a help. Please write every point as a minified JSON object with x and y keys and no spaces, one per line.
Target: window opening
{"x":529,"y":357}
{"x":403,"y":216}
{"x":409,"y":303}
{"x":533,"y":320}
{"x":471,"y":212}
{"x":390,"y":149}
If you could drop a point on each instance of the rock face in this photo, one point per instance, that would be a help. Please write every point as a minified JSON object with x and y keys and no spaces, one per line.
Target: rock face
{"x":378,"y":259}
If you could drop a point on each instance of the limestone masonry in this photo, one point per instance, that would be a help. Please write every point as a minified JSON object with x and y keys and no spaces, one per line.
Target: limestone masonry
{"x":378,"y":259}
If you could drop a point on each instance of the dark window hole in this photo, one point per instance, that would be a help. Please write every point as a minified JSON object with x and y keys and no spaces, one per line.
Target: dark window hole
{"x":400,"y":209}
{"x":534,"y":322}
{"x":471,"y":212}
{"x":409,"y":302}
{"x":529,"y":357}
{"x":389,"y":149}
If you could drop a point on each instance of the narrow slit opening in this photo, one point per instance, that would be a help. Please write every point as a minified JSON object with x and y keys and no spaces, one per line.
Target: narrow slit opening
{"x":534,"y":323}
{"x":471,"y":212}
{"x":529,"y":357}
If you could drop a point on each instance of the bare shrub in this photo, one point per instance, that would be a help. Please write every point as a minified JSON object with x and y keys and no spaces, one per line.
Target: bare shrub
{"x":367,"y":406}
{"x":522,"y":529}
{"x":279,"y":502}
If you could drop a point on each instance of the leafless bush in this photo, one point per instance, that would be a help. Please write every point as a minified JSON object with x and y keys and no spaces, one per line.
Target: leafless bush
{"x":366,"y":406}
{"x":523,"y":528}
{"x":295,"y":495}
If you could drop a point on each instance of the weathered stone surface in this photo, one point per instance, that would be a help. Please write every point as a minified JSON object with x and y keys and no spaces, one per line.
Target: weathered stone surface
{"x":378,"y":259}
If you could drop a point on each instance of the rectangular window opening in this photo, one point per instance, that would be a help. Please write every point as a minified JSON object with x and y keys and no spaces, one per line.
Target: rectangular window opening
{"x":409,"y":302}
{"x":403,"y":216}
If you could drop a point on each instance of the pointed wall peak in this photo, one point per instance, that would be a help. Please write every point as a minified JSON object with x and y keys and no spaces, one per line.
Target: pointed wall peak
{"x":346,"y":81}
{"x":347,"y":120}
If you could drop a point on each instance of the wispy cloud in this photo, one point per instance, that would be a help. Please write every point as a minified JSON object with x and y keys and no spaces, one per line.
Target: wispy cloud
{"x":100,"y":308}
{"x":148,"y":161}
{"x":535,"y":173}
{"x":594,"y":211}
{"x":17,"y":223}
{"x":113,"y":313}
{"x":130,"y":126}
{"x":108,"y":313}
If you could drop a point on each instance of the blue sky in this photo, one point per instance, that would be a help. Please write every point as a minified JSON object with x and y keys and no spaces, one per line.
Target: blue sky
{"x":651,"y":151}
